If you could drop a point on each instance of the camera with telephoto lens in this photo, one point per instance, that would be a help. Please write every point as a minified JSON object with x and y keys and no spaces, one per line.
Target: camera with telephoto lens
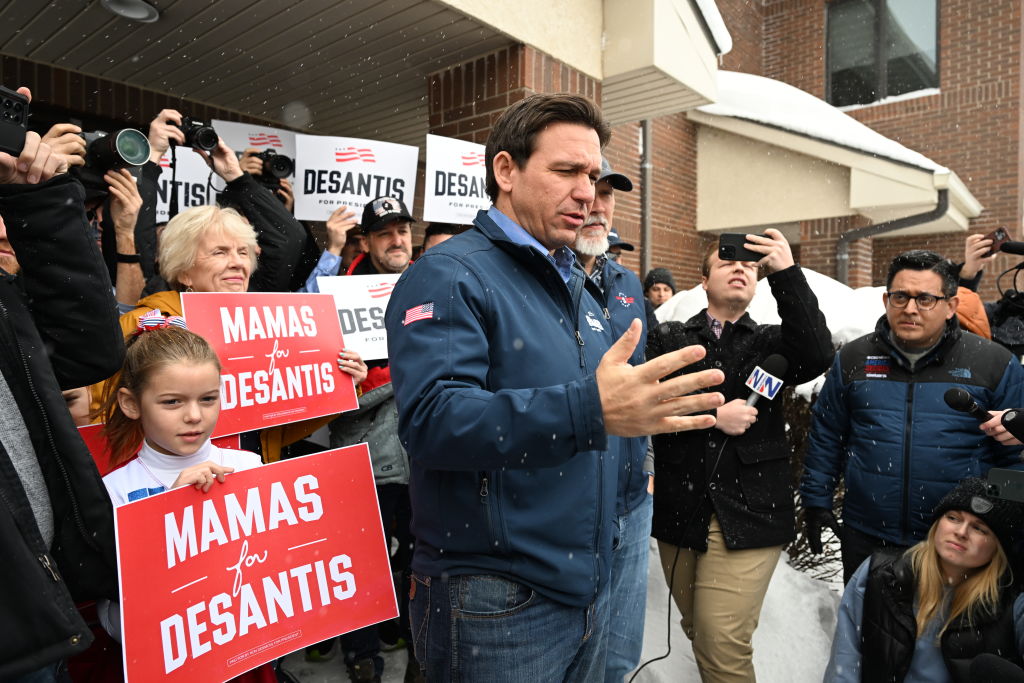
{"x":198,"y":135}
{"x":275,"y":167}
{"x":104,"y":152}
{"x":13,"y":121}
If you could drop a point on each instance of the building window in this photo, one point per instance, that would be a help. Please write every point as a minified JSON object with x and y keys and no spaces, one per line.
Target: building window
{"x":881,"y":48}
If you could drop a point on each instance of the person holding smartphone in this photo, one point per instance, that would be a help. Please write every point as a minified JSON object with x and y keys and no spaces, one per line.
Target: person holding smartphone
{"x":723,"y":505}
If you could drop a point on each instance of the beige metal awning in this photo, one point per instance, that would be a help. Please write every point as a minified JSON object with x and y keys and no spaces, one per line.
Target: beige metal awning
{"x":770,"y":154}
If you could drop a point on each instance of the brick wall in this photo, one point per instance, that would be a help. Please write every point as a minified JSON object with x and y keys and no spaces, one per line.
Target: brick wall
{"x":466,"y":99}
{"x":745,"y":21}
{"x":973,"y":126}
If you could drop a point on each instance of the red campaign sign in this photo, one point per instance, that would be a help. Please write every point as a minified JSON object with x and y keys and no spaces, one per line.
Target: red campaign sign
{"x":96,"y":442}
{"x":279,"y":356}
{"x":276,"y":558}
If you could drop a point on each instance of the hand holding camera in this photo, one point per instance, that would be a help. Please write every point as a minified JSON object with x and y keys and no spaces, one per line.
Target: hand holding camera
{"x":164,"y":130}
{"x":65,"y":139}
{"x":769,"y":250}
{"x":222,"y":160}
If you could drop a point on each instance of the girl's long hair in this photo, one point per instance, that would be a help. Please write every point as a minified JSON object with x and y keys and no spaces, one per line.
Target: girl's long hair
{"x":980,"y":590}
{"x":145,"y":354}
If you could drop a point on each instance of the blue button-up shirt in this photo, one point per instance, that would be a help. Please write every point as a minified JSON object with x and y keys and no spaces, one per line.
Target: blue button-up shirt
{"x":563,"y":258}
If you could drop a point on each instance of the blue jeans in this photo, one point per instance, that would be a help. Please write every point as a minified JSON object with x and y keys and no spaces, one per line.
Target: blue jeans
{"x":488,"y":628}
{"x":628,"y":600}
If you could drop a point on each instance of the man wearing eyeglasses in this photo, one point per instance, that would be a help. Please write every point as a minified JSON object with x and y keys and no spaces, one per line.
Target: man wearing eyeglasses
{"x":882,"y":422}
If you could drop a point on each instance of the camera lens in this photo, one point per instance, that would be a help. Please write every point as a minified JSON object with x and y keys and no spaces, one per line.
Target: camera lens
{"x":132,"y":146}
{"x":727,"y":252}
{"x":279,"y":166}
{"x":205,"y":138}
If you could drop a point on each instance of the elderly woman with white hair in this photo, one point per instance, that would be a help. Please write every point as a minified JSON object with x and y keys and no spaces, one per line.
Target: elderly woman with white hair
{"x":212,"y":249}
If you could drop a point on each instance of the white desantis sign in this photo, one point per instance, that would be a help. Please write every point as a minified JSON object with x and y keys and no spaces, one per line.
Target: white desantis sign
{"x":455,"y":180}
{"x":242,"y":136}
{"x":192,"y":179}
{"x":361,"y":301}
{"x":335,"y":171}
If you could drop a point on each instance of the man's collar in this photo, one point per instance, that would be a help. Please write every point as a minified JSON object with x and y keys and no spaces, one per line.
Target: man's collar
{"x":563,"y":258}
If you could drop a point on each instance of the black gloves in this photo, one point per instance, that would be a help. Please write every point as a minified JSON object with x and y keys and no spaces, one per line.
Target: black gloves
{"x":815,"y":519}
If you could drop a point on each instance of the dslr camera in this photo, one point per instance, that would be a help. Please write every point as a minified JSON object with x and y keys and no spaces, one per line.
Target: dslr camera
{"x":123,"y":148}
{"x":13,"y":121}
{"x":275,"y":167}
{"x":198,"y":135}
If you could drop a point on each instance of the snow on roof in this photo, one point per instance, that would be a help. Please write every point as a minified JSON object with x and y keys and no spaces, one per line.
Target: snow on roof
{"x":780,"y":105}
{"x":716,"y":25}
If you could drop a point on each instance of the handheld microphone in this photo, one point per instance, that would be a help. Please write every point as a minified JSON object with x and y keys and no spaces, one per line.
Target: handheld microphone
{"x":766,"y":379}
{"x":961,"y":400}
{"x":1013,"y":421}
{"x":991,"y":668}
{"x":1012,"y":248}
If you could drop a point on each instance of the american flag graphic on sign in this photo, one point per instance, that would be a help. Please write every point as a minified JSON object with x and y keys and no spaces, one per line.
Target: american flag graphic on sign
{"x":345,"y":154}
{"x":421,"y":312}
{"x":265,"y":140}
{"x":381,"y":290}
{"x":473,"y":159}
{"x":165,"y":161}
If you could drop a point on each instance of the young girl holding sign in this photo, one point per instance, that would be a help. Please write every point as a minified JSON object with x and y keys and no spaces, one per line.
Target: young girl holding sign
{"x":167,"y":398}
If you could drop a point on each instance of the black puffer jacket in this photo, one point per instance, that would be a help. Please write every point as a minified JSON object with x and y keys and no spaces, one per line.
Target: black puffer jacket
{"x":58,"y":329}
{"x":889,"y":628}
{"x":751,"y":491}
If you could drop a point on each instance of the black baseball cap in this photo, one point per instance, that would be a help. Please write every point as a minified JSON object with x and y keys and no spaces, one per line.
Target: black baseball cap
{"x":384,"y":210}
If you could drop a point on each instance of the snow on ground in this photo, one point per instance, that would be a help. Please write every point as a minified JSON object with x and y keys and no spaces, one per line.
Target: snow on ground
{"x":791,"y":644}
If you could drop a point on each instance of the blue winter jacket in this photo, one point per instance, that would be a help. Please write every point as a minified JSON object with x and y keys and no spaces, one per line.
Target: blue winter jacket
{"x":888,"y":430}
{"x":624,"y":301}
{"x":511,"y":470}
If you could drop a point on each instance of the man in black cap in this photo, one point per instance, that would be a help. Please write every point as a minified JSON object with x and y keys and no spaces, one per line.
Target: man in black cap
{"x":387,"y":225}
{"x":617,"y":245}
{"x":623,"y":301}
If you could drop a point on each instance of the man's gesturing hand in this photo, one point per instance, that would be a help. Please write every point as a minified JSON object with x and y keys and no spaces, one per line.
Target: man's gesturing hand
{"x":636,"y":403}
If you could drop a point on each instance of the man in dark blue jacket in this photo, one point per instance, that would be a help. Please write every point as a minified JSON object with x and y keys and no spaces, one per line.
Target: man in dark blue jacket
{"x":622,"y":297}
{"x":881,"y":420}
{"x":511,"y":398}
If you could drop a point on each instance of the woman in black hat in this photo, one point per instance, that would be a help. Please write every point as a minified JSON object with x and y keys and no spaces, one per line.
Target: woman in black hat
{"x":924,"y":614}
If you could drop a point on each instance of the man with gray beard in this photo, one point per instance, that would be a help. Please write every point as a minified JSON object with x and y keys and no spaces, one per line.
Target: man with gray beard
{"x":623,"y":301}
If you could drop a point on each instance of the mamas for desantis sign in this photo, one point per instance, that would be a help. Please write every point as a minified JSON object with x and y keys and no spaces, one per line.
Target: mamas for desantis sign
{"x":361,"y":301}
{"x":335,"y":171}
{"x":455,"y":182}
{"x":192,"y":178}
{"x":278,"y":354}
{"x":276,"y":558}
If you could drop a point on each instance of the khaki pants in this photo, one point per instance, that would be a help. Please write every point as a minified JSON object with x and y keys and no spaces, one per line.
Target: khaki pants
{"x":719,"y":594}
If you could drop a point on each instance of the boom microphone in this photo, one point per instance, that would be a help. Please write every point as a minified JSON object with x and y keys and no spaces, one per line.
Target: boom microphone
{"x":961,"y":400}
{"x":1012,"y":248}
{"x":1013,"y":421}
{"x":766,"y":379}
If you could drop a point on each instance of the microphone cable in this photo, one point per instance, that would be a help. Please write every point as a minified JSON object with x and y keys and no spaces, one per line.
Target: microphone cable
{"x":675,"y":560}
